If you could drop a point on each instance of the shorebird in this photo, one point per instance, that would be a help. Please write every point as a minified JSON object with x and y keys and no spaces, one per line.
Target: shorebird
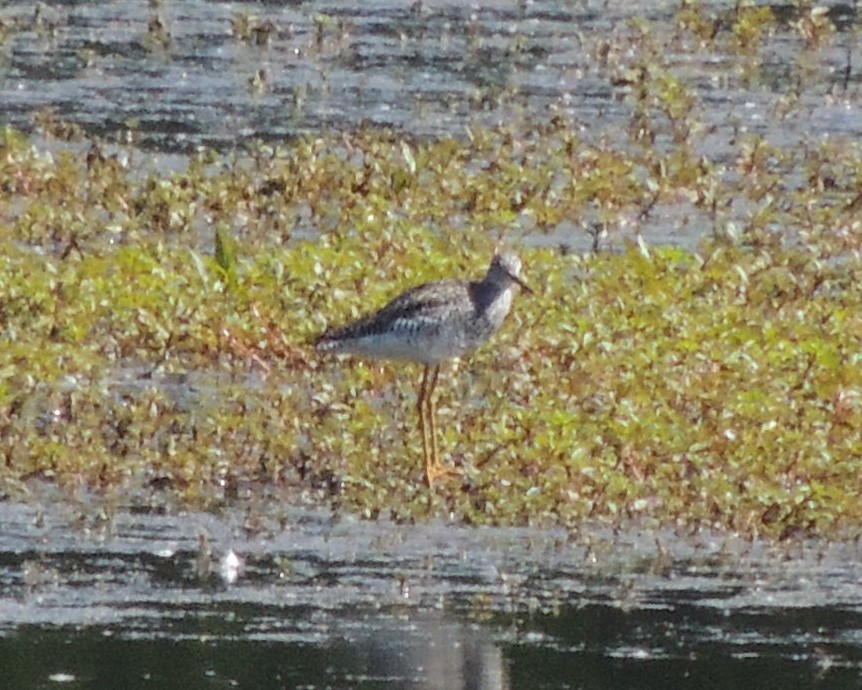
{"x":430,"y":324}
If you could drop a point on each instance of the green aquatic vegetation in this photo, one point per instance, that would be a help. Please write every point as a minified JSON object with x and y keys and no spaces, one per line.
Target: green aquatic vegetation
{"x":814,"y":25}
{"x":691,"y":18}
{"x":664,"y":385}
{"x":157,"y":326}
{"x":749,"y":27}
{"x":738,"y":31}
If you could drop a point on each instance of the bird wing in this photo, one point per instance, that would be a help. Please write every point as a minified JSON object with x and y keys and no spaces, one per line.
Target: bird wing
{"x":424,"y":306}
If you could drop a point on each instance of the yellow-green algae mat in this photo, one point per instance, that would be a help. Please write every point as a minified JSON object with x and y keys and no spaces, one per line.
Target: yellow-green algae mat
{"x":716,"y":388}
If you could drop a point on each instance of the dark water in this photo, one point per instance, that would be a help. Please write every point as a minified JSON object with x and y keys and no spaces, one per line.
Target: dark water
{"x":144,"y":600}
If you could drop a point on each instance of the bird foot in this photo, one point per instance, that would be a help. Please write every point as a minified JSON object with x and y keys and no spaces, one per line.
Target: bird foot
{"x":435,"y":472}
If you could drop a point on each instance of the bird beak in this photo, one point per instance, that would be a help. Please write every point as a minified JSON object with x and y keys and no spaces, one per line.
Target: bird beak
{"x":526,"y":288}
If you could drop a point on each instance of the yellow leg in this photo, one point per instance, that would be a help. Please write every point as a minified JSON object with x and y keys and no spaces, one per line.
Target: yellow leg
{"x":427,"y":412}
{"x":420,"y":408}
{"x":432,"y":414}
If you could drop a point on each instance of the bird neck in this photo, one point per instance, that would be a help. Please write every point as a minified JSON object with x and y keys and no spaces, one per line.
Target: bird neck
{"x":486,"y":292}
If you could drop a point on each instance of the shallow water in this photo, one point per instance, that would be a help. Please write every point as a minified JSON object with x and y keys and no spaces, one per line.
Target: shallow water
{"x":172,"y":77}
{"x":141,"y":599}
{"x":431,"y":68}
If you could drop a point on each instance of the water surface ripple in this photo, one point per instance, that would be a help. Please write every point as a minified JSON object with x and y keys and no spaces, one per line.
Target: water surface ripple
{"x":346,"y":603}
{"x":182,"y":75}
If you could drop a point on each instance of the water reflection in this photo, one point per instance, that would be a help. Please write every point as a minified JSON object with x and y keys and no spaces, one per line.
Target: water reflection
{"x":125,"y":601}
{"x":418,"y":655}
{"x":429,"y":653}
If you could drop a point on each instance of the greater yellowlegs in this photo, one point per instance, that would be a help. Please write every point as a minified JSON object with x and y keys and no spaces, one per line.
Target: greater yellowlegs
{"x":430,"y":324}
